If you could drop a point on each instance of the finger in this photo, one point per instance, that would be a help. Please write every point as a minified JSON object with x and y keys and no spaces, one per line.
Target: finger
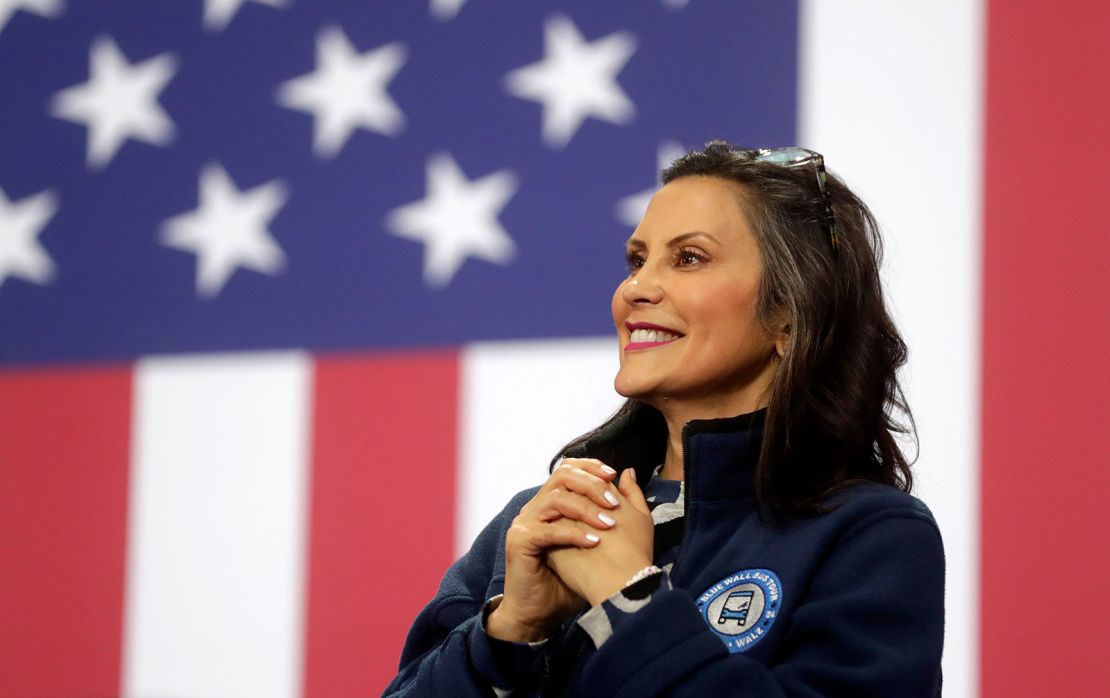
{"x":541,"y":536}
{"x":592,"y":466}
{"x":631,"y":490}
{"x":585,"y":483}
{"x":559,"y":504}
{"x":562,"y":470}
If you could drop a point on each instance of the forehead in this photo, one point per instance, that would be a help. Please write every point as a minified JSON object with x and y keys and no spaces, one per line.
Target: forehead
{"x":708,"y":204}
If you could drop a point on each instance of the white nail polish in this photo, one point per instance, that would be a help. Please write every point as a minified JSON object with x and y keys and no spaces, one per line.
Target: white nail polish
{"x":593,"y":537}
{"x":606,"y":519}
{"x":608,"y":470}
{"x":611,"y":498}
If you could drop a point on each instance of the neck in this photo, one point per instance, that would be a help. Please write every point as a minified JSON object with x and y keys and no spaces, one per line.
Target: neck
{"x":677,"y":412}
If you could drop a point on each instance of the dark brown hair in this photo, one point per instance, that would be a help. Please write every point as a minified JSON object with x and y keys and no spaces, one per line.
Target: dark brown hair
{"x":835,"y":405}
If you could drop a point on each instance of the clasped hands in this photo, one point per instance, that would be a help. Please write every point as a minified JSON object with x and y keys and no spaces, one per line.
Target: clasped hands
{"x":580,"y":539}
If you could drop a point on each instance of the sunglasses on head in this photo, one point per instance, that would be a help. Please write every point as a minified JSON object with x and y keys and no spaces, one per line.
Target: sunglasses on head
{"x":800,"y":157}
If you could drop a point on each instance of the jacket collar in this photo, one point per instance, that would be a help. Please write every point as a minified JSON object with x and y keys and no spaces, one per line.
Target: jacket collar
{"x":720,"y":456}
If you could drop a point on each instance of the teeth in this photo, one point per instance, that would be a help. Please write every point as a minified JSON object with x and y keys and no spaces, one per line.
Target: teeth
{"x":651,"y":336}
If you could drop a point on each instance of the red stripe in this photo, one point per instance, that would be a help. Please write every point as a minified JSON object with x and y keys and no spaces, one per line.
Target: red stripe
{"x":383,"y":512}
{"x":1046,"y":338}
{"x":64,"y":459}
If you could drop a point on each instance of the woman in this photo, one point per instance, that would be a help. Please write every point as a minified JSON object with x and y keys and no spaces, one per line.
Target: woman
{"x":774,"y":548}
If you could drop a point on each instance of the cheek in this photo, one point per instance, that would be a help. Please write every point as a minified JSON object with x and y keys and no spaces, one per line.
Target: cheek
{"x":726,"y":312}
{"x":719,"y":305}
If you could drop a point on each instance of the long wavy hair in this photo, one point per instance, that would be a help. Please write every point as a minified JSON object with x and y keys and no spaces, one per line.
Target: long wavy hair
{"x":835,"y":406}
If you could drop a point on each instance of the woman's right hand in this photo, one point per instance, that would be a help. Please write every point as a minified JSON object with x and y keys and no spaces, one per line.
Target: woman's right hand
{"x":570,"y":505}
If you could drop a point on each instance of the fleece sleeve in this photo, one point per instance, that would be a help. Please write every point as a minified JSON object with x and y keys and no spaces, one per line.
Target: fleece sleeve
{"x":871,"y":624}
{"x":447,"y":651}
{"x":600,"y":621}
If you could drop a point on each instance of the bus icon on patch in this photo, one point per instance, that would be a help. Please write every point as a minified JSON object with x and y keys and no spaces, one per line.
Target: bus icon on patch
{"x":736,"y":607}
{"x":741,"y":608}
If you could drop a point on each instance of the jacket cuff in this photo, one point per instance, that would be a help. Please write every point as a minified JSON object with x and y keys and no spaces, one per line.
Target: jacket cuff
{"x":502,"y":663}
{"x":601,"y":621}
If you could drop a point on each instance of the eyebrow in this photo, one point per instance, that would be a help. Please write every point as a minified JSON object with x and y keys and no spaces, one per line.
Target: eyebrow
{"x":677,"y":240}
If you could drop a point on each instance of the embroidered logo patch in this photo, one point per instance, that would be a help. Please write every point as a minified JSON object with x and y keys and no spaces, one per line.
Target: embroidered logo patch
{"x":742,"y":607}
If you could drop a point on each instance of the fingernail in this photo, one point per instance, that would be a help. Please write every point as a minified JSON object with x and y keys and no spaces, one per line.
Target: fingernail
{"x":606,"y":519}
{"x":564,"y":464}
{"x":632,"y":474}
{"x":606,"y":469}
{"x":611,"y":498}
{"x":593,"y":537}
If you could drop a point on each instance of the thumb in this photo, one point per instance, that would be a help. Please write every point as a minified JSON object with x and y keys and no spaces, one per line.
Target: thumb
{"x":631,"y":490}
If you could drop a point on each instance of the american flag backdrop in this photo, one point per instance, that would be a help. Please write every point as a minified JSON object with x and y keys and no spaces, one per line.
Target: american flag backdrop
{"x":294,"y":294}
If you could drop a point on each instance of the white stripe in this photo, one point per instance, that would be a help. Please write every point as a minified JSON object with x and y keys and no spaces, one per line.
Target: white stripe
{"x":217,"y":527}
{"x":891,"y":94}
{"x":520,"y":402}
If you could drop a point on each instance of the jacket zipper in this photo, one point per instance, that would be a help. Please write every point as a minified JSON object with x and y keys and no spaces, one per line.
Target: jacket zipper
{"x":688,"y":495}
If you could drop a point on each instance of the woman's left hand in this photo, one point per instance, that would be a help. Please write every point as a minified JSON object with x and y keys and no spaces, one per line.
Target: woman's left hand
{"x":599,"y":572}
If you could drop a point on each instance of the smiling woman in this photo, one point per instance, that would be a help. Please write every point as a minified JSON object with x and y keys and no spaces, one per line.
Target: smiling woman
{"x":700,"y":289}
{"x":742,"y":526}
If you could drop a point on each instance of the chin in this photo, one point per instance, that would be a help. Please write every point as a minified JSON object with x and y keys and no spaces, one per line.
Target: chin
{"x":625,"y":387}
{"x":634,"y":389}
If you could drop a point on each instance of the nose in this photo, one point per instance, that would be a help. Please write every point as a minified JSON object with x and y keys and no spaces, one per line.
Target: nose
{"x":643,"y":288}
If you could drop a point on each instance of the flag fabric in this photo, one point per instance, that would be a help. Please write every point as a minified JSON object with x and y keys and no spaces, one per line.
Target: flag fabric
{"x":296,"y":295}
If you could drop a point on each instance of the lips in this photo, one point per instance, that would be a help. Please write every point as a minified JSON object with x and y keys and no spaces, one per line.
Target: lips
{"x":645,"y":335}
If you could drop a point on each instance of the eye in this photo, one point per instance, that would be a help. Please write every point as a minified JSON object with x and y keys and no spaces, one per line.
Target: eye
{"x":634,"y":259}
{"x":688,"y":257}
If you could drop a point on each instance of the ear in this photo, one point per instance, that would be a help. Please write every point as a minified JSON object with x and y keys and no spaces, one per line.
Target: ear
{"x":782,"y":340}
{"x":782,"y":333}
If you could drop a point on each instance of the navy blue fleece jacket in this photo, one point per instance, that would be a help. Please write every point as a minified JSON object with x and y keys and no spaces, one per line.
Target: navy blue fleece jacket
{"x":847,"y":603}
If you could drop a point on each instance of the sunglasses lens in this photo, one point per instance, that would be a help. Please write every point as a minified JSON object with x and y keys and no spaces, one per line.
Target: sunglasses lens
{"x":785,"y":156}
